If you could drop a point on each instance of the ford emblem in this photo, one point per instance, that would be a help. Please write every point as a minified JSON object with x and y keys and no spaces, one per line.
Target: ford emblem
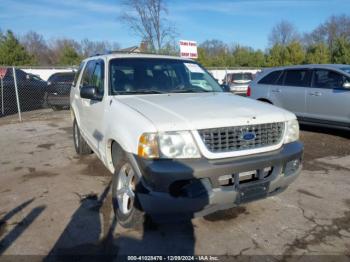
{"x":248,"y":136}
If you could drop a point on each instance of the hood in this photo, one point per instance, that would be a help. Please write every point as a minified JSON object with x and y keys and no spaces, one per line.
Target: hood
{"x":193,"y":111}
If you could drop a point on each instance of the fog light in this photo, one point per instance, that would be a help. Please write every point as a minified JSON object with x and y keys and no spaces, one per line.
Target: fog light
{"x":291,"y":167}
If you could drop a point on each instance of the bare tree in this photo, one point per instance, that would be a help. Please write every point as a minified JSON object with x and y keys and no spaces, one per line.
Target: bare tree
{"x":36,"y":46}
{"x":146,"y":19}
{"x":214,"y":47}
{"x":327,"y":33}
{"x":89,"y":47}
{"x":283,"y":33}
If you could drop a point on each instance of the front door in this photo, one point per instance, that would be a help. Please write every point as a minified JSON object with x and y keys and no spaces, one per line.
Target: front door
{"x":327,"y":100}
{"x":289,"y":93}
{"x":93,"y":110}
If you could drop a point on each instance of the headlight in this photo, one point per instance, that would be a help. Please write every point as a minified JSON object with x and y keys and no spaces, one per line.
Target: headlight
{"x":292,"y":131}
{"x":179,"y":144}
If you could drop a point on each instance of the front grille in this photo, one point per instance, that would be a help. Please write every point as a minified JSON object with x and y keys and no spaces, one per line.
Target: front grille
{"x":227,"y":139}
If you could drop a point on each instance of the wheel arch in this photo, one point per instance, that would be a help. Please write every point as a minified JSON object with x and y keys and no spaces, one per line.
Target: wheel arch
{"x":265,"y":100}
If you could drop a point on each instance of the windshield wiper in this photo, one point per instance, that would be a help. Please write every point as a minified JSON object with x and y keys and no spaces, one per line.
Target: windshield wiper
{"x":192,"y":90}
{"x":141,"y":91}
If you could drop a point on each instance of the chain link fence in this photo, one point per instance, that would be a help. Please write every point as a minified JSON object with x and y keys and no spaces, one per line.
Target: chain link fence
{"x":22,"y":92}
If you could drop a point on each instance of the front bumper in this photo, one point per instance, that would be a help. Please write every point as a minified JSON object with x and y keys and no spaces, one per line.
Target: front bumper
{"x":195,"y":186}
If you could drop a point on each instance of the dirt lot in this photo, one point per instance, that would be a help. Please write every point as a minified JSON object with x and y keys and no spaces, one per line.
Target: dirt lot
{"x":54,"y":202}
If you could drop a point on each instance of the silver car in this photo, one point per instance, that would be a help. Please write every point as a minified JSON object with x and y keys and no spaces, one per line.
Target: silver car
{"x":317,"y":94}
{"x":238,"y":82}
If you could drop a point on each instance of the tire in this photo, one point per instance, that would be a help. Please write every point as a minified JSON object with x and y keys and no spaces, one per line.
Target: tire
{"x":126,"y":206}
{"x":81,"y":147}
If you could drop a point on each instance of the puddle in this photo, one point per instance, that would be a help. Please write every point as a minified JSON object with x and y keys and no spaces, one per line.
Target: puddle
{"x":2,"y":228}
{"x":68,"y":130}
{"x":31,"y":130}
{"x":33,"y":173}
{"x":46,"y":146}
{"x":94,"y":167}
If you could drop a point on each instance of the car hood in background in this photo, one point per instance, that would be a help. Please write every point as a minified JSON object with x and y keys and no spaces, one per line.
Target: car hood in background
{"x":202,"y":110}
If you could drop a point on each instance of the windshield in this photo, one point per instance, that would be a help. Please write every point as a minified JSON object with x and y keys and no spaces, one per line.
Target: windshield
{"x":153,"y":75}
{"x":242,"y":76}
{"x":346,"y":69}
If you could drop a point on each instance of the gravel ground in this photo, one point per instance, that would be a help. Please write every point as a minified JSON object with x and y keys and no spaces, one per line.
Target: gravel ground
{"x":54,"y":202}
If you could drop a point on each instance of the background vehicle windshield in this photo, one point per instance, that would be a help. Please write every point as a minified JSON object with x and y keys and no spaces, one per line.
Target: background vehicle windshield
{"x":150,"y":75}
{"x":242,"y":76}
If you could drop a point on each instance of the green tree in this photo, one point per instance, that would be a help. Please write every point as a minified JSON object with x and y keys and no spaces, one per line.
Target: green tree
{"x":69,"y":56}
{"x":295,"y":54}
{"x":291,"y":54}
{"x":317,"y":54}
{"x":12,"y":52}
{"x":341,"y":51}
{"x":259,"y":59}
{"x":277,"y":56}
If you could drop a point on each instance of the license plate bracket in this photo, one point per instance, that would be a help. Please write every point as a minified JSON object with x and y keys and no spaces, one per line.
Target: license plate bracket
{"x":252,"y":192}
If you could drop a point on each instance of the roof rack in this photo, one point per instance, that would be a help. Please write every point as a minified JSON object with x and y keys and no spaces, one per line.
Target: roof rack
{"x":131,"y":51}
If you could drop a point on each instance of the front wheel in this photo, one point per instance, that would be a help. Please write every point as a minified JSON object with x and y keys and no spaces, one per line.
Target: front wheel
{"x":126,"y":207}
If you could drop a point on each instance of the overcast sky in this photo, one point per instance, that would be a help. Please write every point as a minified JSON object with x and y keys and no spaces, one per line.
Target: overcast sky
{"x":247,"y":22}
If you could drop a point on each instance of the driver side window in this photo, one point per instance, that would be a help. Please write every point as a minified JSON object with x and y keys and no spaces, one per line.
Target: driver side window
{"x":94,"y":75}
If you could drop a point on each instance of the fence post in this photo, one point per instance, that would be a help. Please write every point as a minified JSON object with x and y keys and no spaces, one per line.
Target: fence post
{"x":17,"y":97}
{"x":2,"y":97}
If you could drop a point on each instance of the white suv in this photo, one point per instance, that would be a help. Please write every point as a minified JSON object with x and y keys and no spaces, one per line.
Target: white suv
{"x":176,"y":146}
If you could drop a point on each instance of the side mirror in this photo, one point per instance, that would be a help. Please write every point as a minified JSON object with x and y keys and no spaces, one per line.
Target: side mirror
{"x":346,"y":85}
{"x":226,"y":88}
{"x":90,"y":92}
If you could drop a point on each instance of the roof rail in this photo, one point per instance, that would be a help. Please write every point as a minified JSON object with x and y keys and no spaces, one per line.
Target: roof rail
{"x":129,"y":52}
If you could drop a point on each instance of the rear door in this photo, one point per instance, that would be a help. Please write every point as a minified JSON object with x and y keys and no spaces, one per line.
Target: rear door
{"x":327,"y":100}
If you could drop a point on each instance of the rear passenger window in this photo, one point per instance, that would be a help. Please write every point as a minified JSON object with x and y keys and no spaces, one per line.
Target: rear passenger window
{"x":328,"y":79}
{"x":271,"y":78}
{"x":297,"y":78}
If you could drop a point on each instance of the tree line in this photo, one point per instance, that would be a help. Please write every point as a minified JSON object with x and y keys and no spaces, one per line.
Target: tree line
{"x":33,"y":49}
{"x":327,"y":43}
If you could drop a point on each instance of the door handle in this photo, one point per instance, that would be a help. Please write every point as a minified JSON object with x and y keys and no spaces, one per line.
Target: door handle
{"x":276,"y":90}
{"x":315,"y":94}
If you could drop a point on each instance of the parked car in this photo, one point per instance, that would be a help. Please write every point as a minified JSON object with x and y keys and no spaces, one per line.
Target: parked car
{"x":175,"y":145}
{"x":31,"y":91}
{"x":238,"y":82}
{"x":317,"y":94}
{"x":58,"y":90}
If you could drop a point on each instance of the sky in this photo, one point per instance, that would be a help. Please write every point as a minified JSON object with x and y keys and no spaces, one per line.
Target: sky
{"x":244,"y":22}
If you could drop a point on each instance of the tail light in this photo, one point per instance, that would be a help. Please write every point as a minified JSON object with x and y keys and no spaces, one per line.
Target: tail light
{"x":249,"y":91}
